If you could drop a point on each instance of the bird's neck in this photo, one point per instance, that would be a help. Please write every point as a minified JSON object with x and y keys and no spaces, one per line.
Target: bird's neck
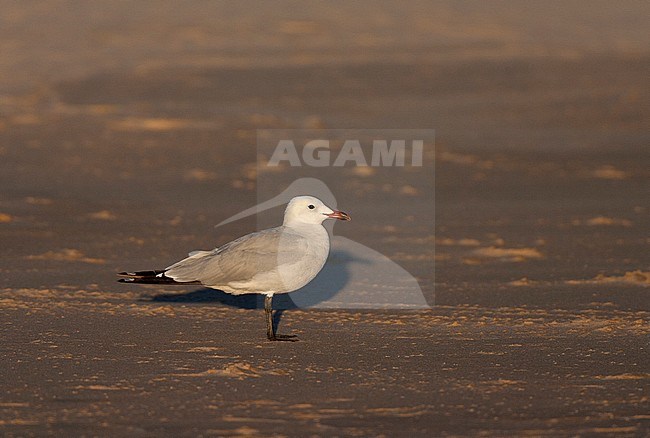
{"x":307,"y":229}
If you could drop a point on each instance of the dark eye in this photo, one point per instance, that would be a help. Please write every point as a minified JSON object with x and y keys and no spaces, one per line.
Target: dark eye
{"x":311,"y":207}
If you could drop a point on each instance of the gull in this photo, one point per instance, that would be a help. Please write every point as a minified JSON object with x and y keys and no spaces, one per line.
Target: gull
{"x":273,"y":261}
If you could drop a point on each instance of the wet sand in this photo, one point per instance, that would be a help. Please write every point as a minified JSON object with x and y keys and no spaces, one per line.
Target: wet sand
{"x":125,"y":158}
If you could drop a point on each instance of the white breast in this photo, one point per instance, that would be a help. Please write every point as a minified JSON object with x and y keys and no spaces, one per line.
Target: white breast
{"x":298,"y":273}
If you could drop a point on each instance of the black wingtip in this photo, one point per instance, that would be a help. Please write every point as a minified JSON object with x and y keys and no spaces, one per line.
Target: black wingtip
{"x":150,"y":277}
{"x":143,"y":274}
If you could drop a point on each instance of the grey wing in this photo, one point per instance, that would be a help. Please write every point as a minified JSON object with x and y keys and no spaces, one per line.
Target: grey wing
{"x":242,"y":259}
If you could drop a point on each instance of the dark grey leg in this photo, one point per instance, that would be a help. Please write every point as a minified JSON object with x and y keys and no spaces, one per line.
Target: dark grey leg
{"x":268,"y":309}
{"x":270,"y":333}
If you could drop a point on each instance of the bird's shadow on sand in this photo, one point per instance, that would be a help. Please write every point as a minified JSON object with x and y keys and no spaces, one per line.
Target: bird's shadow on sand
{"x":332,"y":279}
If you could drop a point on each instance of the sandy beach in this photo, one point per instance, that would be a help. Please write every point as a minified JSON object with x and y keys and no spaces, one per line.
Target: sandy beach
{"x":127,"y":132}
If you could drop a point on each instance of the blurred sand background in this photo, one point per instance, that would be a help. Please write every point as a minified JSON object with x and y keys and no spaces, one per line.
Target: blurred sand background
{"x":128,"y":129}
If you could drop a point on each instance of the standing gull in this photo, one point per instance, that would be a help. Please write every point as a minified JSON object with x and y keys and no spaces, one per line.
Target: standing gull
{"x":274,"y":261}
